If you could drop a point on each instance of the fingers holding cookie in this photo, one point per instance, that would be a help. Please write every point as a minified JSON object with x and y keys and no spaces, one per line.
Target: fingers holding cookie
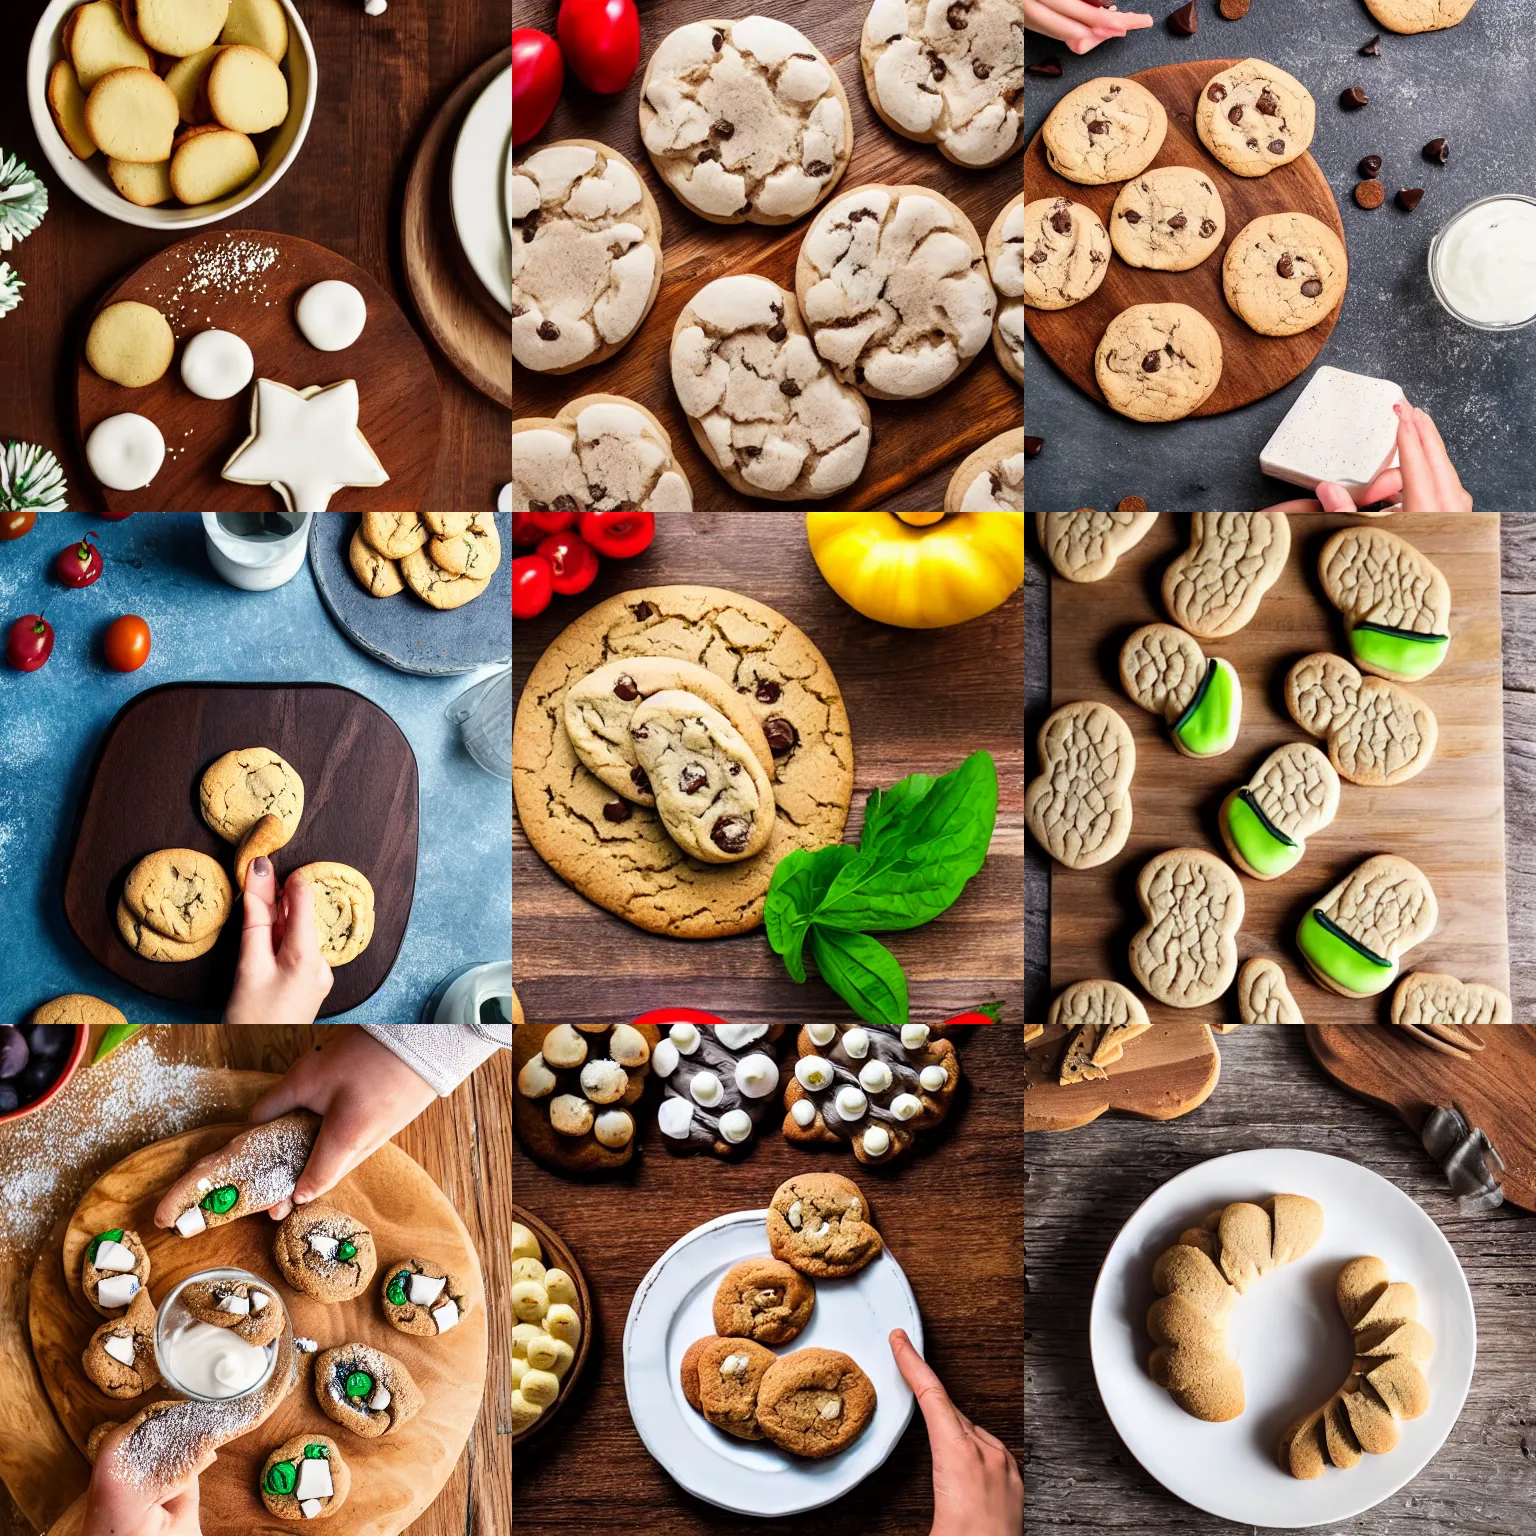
{"x":1164,"y":670}
{"x":1079,"y":808}
{"x":1186,"y":954}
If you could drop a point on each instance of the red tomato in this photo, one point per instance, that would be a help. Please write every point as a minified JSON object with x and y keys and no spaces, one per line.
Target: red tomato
{"x":619,"y":535}
{"x":115,"y":517}
{"x":572,"y":560}
{"x":80,"y":564}
{"x":14,"y":524}
{"x":601,"y":40}
{"x":538,"y":72}
{"x":127,"y":643}
{"x":30,"y":642}
{"x":532,"y":586}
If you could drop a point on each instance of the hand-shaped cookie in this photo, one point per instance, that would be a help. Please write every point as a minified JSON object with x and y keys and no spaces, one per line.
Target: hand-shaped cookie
{"x":1430,"y":1007}
{"x":1266,"y":823}
{"x":1378,"y":733}
{"x":1264,"y":997}
{"x":1080,"y":807}
{"x":1165,"y":671}
{"x":1396,"y":605}
{"x":1355,"y":937}
{"x":1085,"y":545}
{"x":1186,"y":955}
{"x":1106,"y":1017}
{"x":1234,"y":558}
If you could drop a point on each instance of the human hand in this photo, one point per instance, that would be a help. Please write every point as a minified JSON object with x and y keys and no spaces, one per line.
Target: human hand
{"x":1081,"y":24}
{"x":1425,"y":480}
{"x":281,"y":978}
{"x":114,"y":1507}
{"x":977,"y":1487}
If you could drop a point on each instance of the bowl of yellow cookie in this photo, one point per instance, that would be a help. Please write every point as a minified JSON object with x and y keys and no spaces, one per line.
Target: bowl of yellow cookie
{"x":171,"y":114}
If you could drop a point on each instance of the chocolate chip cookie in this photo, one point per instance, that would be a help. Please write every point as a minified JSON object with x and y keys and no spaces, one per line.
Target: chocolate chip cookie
{"x":619,"y":854}
{"x":243,"y":786}
{"x":1066,"y":253}
{"x":819,"y":1223}
{"x":1418,"y":15}
{"x":1158,"y":362}
{"x":1169,"y":219}
{"x":394,"y":534}
{"x":1285,"y":272}
{"x":1254,"y":117}
{"x":474,"y":550}
{"x":438,"y":588}
{"x":379,"y":575}
{"x":1105,"y":130}
{"x":814,"y":1402}
{"x":763,"y":1299}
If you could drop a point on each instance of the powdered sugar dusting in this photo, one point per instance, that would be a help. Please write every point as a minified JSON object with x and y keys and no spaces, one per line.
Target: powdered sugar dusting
{"x":266,"y":1166}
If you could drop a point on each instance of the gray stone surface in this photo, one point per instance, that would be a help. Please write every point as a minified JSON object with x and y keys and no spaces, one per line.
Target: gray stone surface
{"x":1470,"y":85}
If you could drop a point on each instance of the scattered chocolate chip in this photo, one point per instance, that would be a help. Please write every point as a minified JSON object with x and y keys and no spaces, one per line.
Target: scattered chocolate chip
{"x":1184,"y":22}
{"x":1372,"y":49}
{"x":517,"y":310}
{"x":955,"y":16}
{"x":1061,"y":221}
{"x":1049,"y":68}
{"x":1353,"y":99}
{"x":1234,"y":10}
{"x":858,"y":375}
{"x":1277,"y":146}
{"x":1311,"y":288}
{"x":1268,"y":103}
{"x":692,"y":779}
{"x":640,"y":779}
{"x":980,"y":70}
{"x":1437,"y":150}
{"x":530,"y":224}
{"x":1216,"y":93}
{"x":1178,"y":221}
{"x":1207,"y":228}
{"x":1133,"y":504}
{"x":1151,"y":363}
{"x":1036,"y":258}
{"x":730,"y":833}
{"x":1370,"y":193}
{"x":1131,"y":216}
{"x":566,"y":504}
{"x":1168,"y":348}
{"x":707,"y":153}
{"x":1096,"y":127}
{"x":1033,"y":447}
{"x":789,"y":387}
{"x":642,"y":610}
{"x":719,"y":41}
{"x":640,"y":732}
{"x":776,"y":331}
{"x":767,"y":691}
{"x":724,"y":130}
{"x":780,"y":734}
{"x":1235,"y":115}
{"x":818,"y":168}
{"x":1285,"y":266}
{"x":1409,"y":198}
{"x":1370,"y":165}
{"x":939,"y":69}
{"x":548,"y":331}
{"x":626,"y":688}
{"x":617,"y":810}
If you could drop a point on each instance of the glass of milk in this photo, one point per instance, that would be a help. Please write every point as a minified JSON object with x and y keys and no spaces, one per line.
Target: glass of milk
{"x":205,"y":1362}
{"x":1482,"y":263}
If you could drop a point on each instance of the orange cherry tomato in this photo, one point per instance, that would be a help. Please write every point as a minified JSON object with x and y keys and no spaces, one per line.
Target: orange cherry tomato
{"x":127,"y":643}
{"x":14,"y":524}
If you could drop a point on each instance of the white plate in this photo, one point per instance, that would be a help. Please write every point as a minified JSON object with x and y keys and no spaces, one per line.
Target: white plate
{"x":1287,"y":1334}
{"x":673,"y":1307}
{"x":481,"y":169}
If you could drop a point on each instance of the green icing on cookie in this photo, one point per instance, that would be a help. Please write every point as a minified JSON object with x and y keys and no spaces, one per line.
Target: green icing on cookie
{"x":1263,"y":846}
{"x":1341,"y":958}
{"x":220,"y":1201}
{"x":396,"y":1292}
{"x":1400,"y":651}
{"x":114,"y":1236}
{"x":1209,"y":726}
{"x":346,"y":1252}
{"x":316,"y":1453}
{"x":358,"y":1384}
{"x":282,"y":1476}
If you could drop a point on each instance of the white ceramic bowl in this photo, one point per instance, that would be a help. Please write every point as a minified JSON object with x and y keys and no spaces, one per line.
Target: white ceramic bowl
{"x":88,"y":179}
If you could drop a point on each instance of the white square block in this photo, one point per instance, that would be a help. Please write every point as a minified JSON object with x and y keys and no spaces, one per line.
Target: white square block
{"x":1342,"y":428}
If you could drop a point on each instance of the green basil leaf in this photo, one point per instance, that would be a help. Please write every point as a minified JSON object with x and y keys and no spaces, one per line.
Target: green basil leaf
{"x":887,"y":807}
{"x":863,"y":972}
{"x":799,"y":883}
{"x":893,"y":898}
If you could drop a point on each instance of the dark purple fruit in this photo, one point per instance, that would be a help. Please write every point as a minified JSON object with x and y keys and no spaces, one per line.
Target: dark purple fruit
{"x":36,"y":1079}
{"x":13,"y":1051}
{"x":51,"y":1039}
{"x":8,"y":1099}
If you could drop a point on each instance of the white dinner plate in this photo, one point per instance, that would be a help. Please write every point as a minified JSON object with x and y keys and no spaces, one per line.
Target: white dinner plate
{"x":482,"y":165}
{"x":673,"y":1307}
{"x":1288,"y":1336}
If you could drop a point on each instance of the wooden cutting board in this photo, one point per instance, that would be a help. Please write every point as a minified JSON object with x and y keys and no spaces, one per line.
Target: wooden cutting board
{"x":361,"y":795}
{"x":1252,"y":365}
{"x":1495,"y":1090}
{"x":1449,"y":821}
{"x":400,"y":410}
{"x":1164,"y":1073}
{"x":394,"y":1478}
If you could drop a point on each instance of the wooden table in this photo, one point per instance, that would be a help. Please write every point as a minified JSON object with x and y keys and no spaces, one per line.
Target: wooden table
{"x":954,"y":1215}
{"x":1079,"y":1475}
{"x":462,"y":1141}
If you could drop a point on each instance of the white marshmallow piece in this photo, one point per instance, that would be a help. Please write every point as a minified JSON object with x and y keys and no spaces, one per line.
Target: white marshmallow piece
{"x":323,"y":1245}
{"x":875,"y":1076}
{"x":119,"y":1348}
{"x":803,"y":1113}
{"x":425,"y":1289}
{"x":856,"y":1043}
{"x":877,"y":1141}
{"x":236,"y":1306}
{"x":914,"y":1036}
{"x":933,"y":1078}
{"x":735,"y":1126}
{"x":906,"y":1106}
{"x":314,"y":1480}
{"x":675,"y":1117}
{"x":381,"y":1398}
{"x":115,"y":1257}
{"x":259,"y":1299}
{"x":191,"y":1222}
{"x":706,"y":1089}
{"x":117,"y":1290}
{"x":813,"y":1072}
{"x":445,"y":1316}
{"x":734,"y":1036}
{"x":312,"y":1507}
{"x":821,"y":1034}
{"x":851,"y":1104}
{"x":757,"y":1075}
{"x":664,"y":1059}
{"x":685,"y":1037}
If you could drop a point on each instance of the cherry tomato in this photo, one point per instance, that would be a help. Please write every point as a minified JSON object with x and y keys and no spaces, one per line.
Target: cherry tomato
{"x":988,"y":1013}
{"x":127,"y":643}
{"x":29,"y":643}
{"x":572,"y":560}
{"x":532,"y":586}
{"x":14,"y":524}
{"x":525,"y":531}
{"x":538,"y":72}
{"x":601,"y":42}
{"x":114,"y":517}
{"x":80,"y":564}
{"x":619,"y":535}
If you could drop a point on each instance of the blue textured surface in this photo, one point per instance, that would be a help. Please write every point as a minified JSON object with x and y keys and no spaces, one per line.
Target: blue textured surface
{"x":203,"y":630}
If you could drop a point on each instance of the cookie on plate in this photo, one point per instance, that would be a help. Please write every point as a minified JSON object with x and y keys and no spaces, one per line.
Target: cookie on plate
{"x":130,"y":344}
{"x":814,"y":1402}
{"x":119,"y":1261}
{"x":379,"y":574}
{"x":1284,"y":273}
{"x":394,"y":534}
{"x":473,"y":550}
{"x":729,"y":1372}
{"x":1005,"y":263}
{"x":243,"y":786}
{"x":246,"y":1310}
{"x":120,"y":1358}
{"x":763,"y":1299}
{"x":436,"y":587}
{"x":365,"y":1390}
{"x":1253,"y":117}
{"x":424,"y":1298}
{"x":688,"y":1371}
{"x":1158,"y":362}
{"x":1169,"y":219}
{"x":343,"y":910}
{"x":992,"y":478}
{"x":717,"y":1081}
{"x":1103,"y":131}
{"x":256,"y":1171}
{"x":820,"y":1224}
{"x":325,"y":1253}
{"x":305,"y":1478}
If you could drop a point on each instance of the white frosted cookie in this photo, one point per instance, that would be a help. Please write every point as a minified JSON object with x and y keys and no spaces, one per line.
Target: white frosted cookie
{"x":586,"y":255}
{"x":602,"y":453}
{"x":892,"y":284}
{"x":745,"y":120}
{"x":766,"y":411}
{"x":950,"y":74}
{"x":1005,"y":263}
{"x":992,"y":478}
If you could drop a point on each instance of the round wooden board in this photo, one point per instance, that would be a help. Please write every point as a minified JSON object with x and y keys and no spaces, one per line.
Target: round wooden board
{"x":401,"y":409}
{"x":393,"y":1479}
{"x":558,"y":1255}
{"x":472,"y":329}
{"x":1253,"y":366}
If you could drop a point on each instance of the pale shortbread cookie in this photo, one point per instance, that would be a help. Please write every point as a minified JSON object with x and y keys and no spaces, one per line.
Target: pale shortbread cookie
{"x":1158,"y":362}
{"x":1353,"y":940}
{"x":764,"y":408}
{"x":892,"y":283}
{"x":1418,"y":15}
{"x":1164,"y":670}
{"x":97,"y":42}
{"x":1215,"y":587}
{"x":1266,"y":823}
{"x":1264,"y":996}
{"x":1254,"y":117}
{"x":1285,"y":273}
{"x":131,"y":114}
{"x":951,"y":74}
{"x":261,"y":24}
{"x":185,"y":78}
{"x":343,"y":909}
{"x":210,"y":162}
{"x":586,"y":255}
{"x":178,"y":27}
{"x":1431,"y":1007}
{"x":601,"y":453}
{"x":66,"y":101}
{"x":1105,"y":130}
{"x":1104,"y":1018}
{"x":1395,"y":602}
{"x":130,"y":344}
{"x":1005,"y":263}
{"x":1079,"y":808}
{"x":1186,"y":954}
{"x":1068,"y":255}
{"x":146,"y":186}
{"x":1086,"y":545}
{"x":245,"y":90}
{"x":1378,"y":733}
{"x":745,"y":120}
{"x":992,"y":478}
